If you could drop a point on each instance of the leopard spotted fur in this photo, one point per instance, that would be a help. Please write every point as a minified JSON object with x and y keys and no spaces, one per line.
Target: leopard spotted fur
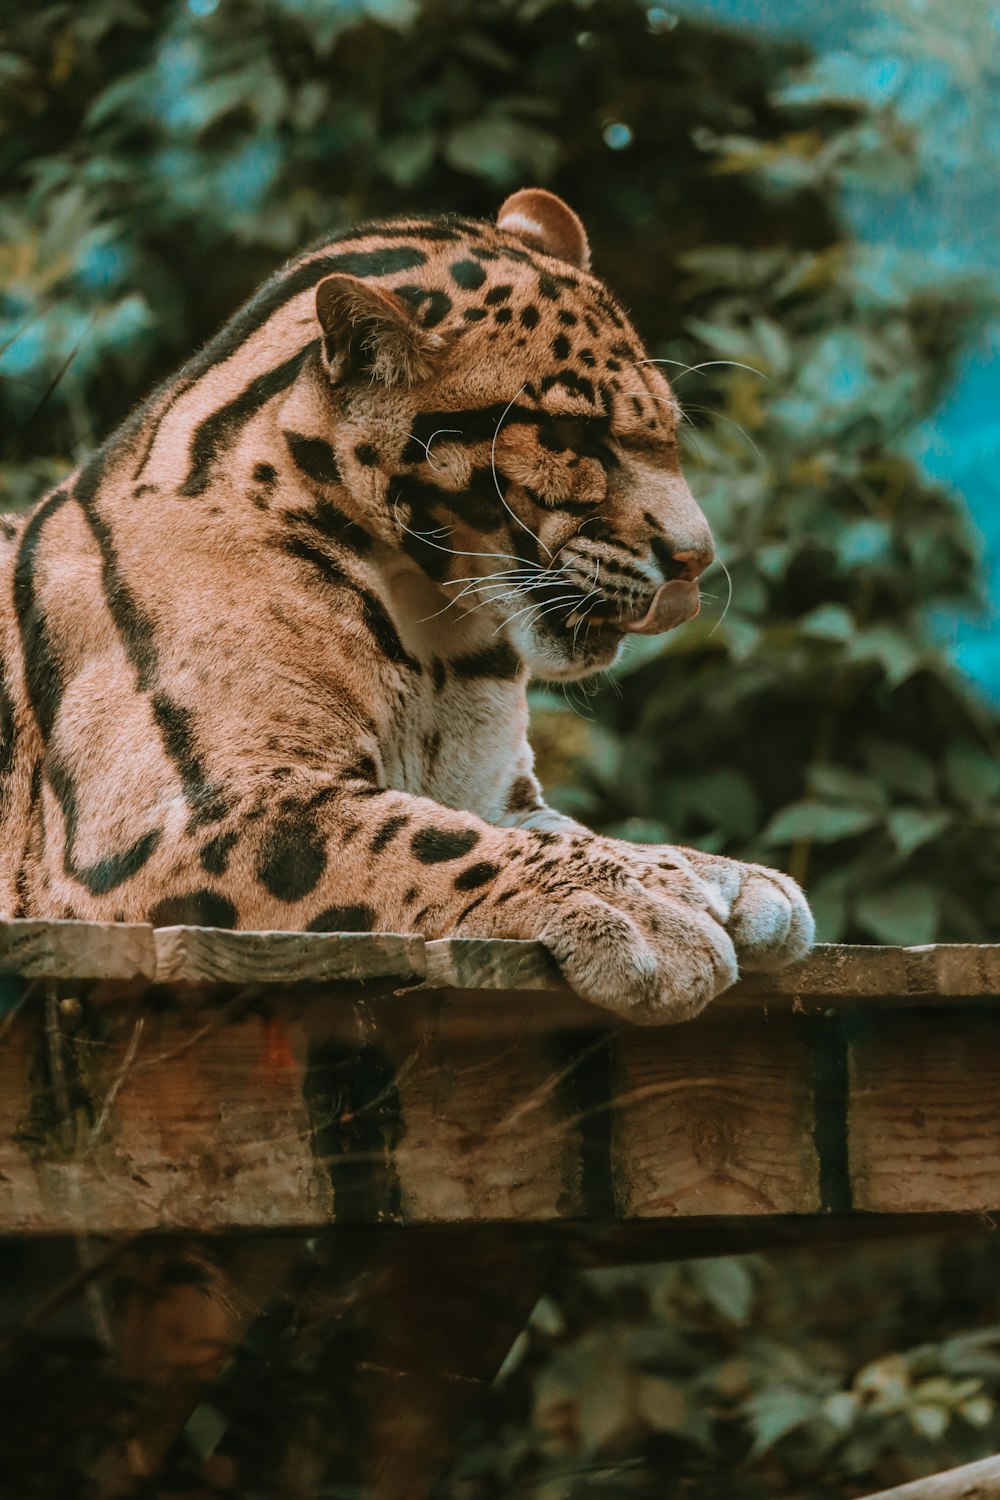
{"x":265,"y":654}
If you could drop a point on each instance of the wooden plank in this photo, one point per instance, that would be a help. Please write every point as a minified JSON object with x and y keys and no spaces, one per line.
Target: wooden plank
{"x":979,"y":1481}
{"x":491,"y":964}
{"x":208,"y":955}
{"x":715,"y":1120}
{"x":200,"y":1124}
{"x":77,"y":950}
{"x":442,"y":1311}
{"x":483,"y":1133}
{"x":924,"y":1114}
{"x":191,"y":955}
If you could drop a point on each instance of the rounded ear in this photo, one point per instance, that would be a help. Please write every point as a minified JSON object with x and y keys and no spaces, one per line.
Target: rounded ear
{"x":369,"y":329}
{"x":546,"y":223}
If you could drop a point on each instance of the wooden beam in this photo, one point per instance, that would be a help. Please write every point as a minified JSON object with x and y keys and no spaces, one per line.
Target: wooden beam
{"x":979,"y":1481}
{"x":837,"y":974}
{"x":208,"y":1081}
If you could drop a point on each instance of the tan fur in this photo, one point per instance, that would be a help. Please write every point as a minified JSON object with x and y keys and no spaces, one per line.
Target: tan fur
{"x":265,"y":656}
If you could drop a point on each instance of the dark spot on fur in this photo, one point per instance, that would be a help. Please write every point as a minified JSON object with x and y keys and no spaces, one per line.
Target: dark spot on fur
{"x":503,"y":315}
{"x":314,"y":457}
{"x":377,"y":619}
{"x":387,"y":832}
{"x":561,"y":346}
{"x":326,"y":519}
{"x":306,"y":551}
{"x":467,"y":274}
{"x":429,"y":304}
{"x":613,"y":364}
{"x":521,"y":795}
{"x":587,"y":357}
{"x":107,"y":874}
{"x":360,"y":918}
{"x":474,"y":314}
{"x":366,"y":455}
{"x":264,"y":473}
{"x":505,"y":896}
{"x":572,"y":382}
{"x":410,"y":895}
{"x":499,"y":660}
{"x":529,"y":316}
{"x":215,"y":854}
{"x":548,"y":286}
{"x":477,"y":875}
{"x":362,"y":769}
{"x":498,"y":294}
{"x":439,"y":673}
{"x":432,"y":746}
{"x":470,"y":908}
{"x":434,"y":846}
{"x":196,"y":909}
{"x":567,"y":318}
{"x":292,"y":857}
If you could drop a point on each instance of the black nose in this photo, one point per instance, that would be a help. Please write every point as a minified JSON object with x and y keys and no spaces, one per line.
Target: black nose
{"x":688,"y":563}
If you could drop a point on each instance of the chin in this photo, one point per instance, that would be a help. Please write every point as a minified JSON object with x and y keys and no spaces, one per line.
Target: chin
{"x":559,"y":655}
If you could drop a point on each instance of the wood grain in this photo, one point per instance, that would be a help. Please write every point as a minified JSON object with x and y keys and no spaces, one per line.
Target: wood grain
{"x":714,"y":1120}
{"x":840,"y":975}
{"x":979,"y":1481}
{"x":77,"y":950}
{"x":924,"y":1114}
{"x":192,"y":955}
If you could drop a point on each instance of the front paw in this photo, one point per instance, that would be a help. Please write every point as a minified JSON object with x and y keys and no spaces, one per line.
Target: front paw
{"x":660,"y":961}
{"x":768,"y":917}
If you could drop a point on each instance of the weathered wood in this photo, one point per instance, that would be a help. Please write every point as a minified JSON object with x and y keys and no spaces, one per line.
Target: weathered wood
{"x":200,"y":955}
{"x":441,"y":1315}
{"x":721,"y":1120}
{"x":979,"y":1481}
{"x":292,"y":1080}
{"x":77,"y":950}
{"x":181,"y":1315}
{"x":196,"y":955}
{"x":924,"y":1113}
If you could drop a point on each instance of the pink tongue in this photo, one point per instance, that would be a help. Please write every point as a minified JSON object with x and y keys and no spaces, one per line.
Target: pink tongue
{"x":673,"y":603}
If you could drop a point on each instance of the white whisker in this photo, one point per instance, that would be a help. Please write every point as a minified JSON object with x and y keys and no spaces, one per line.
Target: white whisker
{"x":706,"y":364}
{"x":720,"y":416}
{"x":496,"y":481}
{"x":729,"y":598}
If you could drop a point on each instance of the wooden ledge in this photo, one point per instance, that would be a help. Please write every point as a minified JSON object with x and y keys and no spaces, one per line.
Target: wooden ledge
{"x":832,"y":974}
{"x":195,"y":1080}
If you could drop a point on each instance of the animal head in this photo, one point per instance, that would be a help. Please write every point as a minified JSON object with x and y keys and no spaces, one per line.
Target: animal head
{"x":497,"y":418}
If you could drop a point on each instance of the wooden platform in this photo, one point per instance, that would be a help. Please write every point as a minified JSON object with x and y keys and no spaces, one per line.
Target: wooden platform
{"x":204,"y":1080}
{"x":459,"y":1121}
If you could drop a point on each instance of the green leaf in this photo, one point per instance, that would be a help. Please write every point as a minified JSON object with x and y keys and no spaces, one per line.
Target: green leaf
{"x":819,"y":821}
{"x":501,"y":149}
{"x":912,"y":826}
{"x":726,"y":1285}
{"x":972,"y":774}
{"x":906,"y":913}
{"x":828,"y":622}
{"x":902,"y":767}
{"x":839,"y":784}
{"x":930,"y":1421}
{"x":776,"y":1411}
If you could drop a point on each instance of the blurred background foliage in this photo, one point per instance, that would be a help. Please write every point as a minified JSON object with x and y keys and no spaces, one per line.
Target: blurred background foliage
{"x":158,"y":160}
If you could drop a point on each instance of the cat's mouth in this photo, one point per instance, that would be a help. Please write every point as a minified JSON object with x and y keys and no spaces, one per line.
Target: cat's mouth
{"x":671,"y":605}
